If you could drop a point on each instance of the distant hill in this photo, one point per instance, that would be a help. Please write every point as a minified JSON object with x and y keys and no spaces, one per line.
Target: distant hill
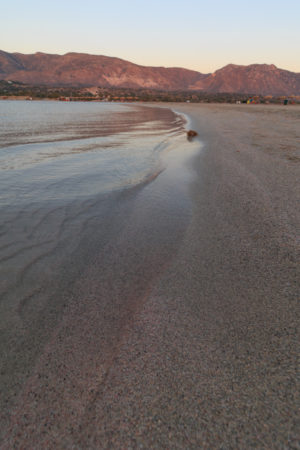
{"x":256,"y":78}
{"x":84,"y":70}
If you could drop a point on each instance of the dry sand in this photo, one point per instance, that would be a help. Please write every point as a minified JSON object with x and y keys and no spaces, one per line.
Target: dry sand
{"x":183,"y":332}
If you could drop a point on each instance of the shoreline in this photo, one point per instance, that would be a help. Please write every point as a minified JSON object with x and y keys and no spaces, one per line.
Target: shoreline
{"x":182,"y":331}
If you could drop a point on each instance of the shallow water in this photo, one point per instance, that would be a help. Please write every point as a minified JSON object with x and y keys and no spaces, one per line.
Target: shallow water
{"x":62,"y":167}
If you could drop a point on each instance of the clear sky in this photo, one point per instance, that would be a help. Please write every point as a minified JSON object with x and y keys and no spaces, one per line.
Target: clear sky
{"x":196,"y":34}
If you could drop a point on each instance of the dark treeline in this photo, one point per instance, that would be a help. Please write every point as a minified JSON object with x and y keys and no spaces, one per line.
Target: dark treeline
{"x":17,"y":89}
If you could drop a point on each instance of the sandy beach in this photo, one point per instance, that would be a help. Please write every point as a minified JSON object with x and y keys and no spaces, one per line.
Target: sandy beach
{"x":183,"y":331}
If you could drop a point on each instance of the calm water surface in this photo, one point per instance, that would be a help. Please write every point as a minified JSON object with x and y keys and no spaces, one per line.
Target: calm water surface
{"x":69,"y":175}
{"x":53,"y":151}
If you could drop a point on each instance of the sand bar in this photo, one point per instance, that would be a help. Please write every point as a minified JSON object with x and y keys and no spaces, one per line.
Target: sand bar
{"x":195,"y":342}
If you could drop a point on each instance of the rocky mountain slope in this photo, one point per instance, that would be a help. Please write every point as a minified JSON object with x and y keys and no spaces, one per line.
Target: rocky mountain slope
{"x":255,"y":78}
{"x":79,"y":69}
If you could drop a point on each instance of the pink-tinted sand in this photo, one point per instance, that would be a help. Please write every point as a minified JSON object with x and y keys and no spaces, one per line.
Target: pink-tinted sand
{"x":182,"y":332}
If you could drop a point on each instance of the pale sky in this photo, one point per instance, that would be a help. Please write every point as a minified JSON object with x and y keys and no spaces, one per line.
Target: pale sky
{"x":200,"y":35}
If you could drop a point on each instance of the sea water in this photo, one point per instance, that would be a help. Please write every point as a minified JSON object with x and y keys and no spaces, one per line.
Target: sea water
{"x":54,"y":151}
{"x":69,"y":176}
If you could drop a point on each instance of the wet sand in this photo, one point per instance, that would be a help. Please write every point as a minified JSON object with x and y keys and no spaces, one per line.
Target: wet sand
{"x":182,"y":330}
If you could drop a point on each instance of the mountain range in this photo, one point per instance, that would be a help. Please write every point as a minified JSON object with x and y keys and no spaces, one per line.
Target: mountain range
{"x":84,"y":70}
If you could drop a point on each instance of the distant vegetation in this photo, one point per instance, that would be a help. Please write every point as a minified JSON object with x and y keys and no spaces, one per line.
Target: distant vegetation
{"x":12,"y":89}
